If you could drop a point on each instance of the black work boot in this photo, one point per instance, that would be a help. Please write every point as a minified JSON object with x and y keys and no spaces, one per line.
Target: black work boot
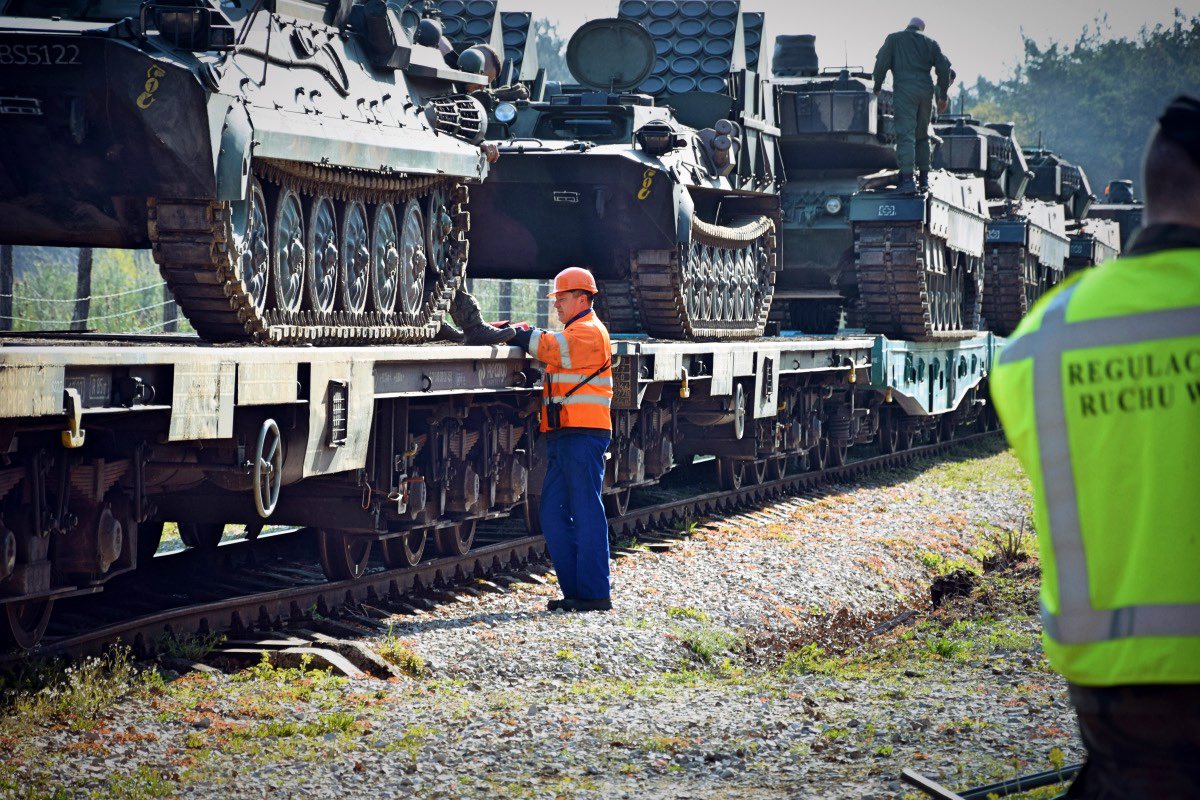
{"x":449,"y":333}
{"x":906,"y":185}
{"x":465,"y":311}
{"x":923,"y":180}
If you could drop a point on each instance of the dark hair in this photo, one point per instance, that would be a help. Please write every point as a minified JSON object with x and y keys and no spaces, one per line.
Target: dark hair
{"x":1170,"y":178}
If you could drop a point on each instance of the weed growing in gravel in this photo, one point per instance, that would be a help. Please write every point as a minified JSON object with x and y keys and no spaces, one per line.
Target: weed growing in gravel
{"x":396,"y":652}
{"x":411,"y":742}
{"x":687,"y":612}
{"x":567,"y":654}
{"x":982,"y":466}
{"x":710,"y":643}
{"x":191,"y":646}
{"x":77,"y":695}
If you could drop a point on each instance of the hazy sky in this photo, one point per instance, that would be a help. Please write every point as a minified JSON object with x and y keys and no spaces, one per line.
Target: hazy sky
{"x":980,"y":38}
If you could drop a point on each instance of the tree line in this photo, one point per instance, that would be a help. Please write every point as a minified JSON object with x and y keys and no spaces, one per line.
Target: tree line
{"x":1094,"y":101}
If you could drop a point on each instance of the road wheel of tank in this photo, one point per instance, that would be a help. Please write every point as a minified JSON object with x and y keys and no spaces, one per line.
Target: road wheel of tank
{"x":324,"y":253}
{"x":355,"y":267}
{"x":456,"y":540}
{"x":201,"y":535}
{"x":344,"y":556}
{"x":251,"y":254}
{"x":413,"y":261}
{"x":385,"y":258}
{"x":405,"y":550}
{"x":287,"y":253}
{"x":731,"y":474}
{"x":439,"y":225}
{"x":616,"y":504}
{"x":25,"y":623}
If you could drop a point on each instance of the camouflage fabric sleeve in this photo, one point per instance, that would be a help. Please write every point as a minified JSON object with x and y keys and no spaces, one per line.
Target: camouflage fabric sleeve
{"x":883,"y":62}
{"x":942,"y":65}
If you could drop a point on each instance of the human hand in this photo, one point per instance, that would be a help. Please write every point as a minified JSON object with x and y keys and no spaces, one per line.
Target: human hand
{"x":521,"y":326}
{"x":875,"y":92}
{"x":942,"y":104}
{"x":491,"y":151}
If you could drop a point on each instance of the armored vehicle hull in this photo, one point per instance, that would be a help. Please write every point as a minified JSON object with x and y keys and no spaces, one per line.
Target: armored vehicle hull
{"x":300,"y":176}
{"x":832,"y":130}
{"x":1027,"y":247}
{"x":1096,"y":241}
{"x":677,"y":221}
{"x":919,"y":258}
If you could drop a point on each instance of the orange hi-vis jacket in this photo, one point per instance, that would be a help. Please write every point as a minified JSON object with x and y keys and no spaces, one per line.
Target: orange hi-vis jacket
{"x":571,"y":355}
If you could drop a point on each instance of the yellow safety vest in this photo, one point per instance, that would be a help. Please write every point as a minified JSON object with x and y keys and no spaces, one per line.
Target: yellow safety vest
{"x":1099,"y":394}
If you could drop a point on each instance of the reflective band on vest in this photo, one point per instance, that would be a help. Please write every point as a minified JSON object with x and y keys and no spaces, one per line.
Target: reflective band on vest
{"x":1077,"y":622}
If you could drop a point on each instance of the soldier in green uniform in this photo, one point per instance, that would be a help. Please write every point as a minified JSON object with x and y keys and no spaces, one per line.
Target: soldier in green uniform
{"x":910,"y":54}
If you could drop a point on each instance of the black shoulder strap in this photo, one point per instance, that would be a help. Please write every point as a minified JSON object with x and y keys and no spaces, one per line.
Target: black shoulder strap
{"x":586,"y":380}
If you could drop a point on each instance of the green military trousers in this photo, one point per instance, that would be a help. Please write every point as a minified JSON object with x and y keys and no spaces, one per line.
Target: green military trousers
{"x":913,"y":107}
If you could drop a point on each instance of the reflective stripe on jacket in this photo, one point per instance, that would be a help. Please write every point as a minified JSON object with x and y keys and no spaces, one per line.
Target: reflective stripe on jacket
{"x":1099,"y":393}
{"x":571,"y":355}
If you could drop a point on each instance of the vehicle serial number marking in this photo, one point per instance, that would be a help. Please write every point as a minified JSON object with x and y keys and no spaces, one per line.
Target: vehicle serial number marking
{"x":647,"y":183}
{"x":38,"y":55}
{"x":147,"y":98}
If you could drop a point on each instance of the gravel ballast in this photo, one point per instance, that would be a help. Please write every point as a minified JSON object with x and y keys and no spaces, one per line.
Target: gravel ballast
{"x":789,"y":651}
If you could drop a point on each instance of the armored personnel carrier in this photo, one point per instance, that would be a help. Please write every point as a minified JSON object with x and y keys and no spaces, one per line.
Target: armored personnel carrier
{"x":919,"y":257}
{"x":832,"y":130}
{"x":299,"y":167}
{"x":1120,"y":205}
{"x":1056,"y":180}
{"x":1026,"y":235}
{"x":658,"y":172}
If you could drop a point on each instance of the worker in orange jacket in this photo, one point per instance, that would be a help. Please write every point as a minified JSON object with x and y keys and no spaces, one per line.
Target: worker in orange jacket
{"x":577,"y":427}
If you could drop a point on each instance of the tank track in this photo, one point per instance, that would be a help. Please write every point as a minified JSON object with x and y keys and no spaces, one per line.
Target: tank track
{"x":192,"y":244}
{"x":1015,"y":281}
{"x":675,"y":292}
{"x":902,"y":295}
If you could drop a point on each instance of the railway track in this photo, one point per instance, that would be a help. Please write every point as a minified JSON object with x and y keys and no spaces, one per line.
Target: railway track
{"x":273,"y":589}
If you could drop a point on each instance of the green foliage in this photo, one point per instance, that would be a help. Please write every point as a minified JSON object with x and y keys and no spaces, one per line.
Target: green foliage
{"x":710,"y":643}
{"x":401,"y":655}
{"x":1095,"y":101}
{"x":76,"y":695}
{"x":191,"y":646}
{"x":126,"y":291}
{"x":687,"y":612}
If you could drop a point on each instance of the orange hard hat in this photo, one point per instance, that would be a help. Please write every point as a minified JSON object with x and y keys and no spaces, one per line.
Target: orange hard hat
{"x":574,"y":279}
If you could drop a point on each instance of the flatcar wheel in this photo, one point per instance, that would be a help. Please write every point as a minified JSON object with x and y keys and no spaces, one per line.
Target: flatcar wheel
{"x":617,"y":503}
{"x":149,"y":536}
{"x":323,"y":255}
{"x":731,"y":473}
{"x":837,"y":454}
{"x":413,"y":258}
{"x":889,"y":434}
{"x":25,"y":622}
{"x":456,"y":540}
{"x":287,"y":255}
{"x":818,"y":457}
{"x":344,"y":556}
{"x":355,"y":272}
{"x":405,"y":550}
{"x":202,"y":535}
{"x":777,"y":468}
{"x":385,"y":259}
{"x":758,"y":470}
{"x":250,"y":240}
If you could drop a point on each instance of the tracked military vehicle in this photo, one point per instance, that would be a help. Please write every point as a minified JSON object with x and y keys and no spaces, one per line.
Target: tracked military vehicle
{"x":299,"y":167}
{"x":832,"y":130}
{"x":919,"y":257}
{"x":1120,"y":205}
{"x":1056,"y":180}
{"x":657,"y":171}
{"x":1026,"y":234}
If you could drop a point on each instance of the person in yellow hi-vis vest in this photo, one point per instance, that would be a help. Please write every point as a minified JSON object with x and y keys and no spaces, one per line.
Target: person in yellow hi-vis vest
{"x":1099,"y":395}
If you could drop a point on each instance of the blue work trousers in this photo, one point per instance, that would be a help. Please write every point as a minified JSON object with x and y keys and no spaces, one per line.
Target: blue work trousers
{"x":572,"y":513}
